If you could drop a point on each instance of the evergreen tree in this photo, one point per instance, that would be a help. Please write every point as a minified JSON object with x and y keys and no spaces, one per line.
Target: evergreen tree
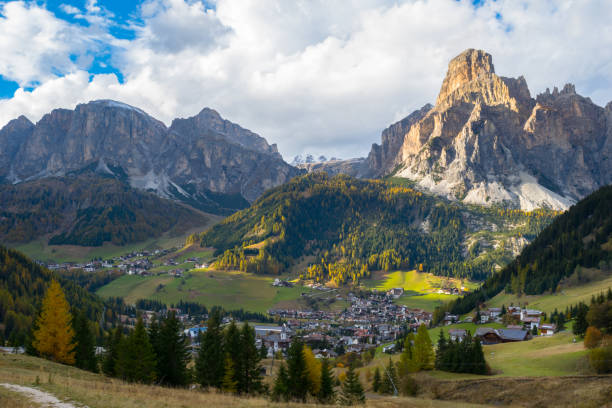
{"x":263,"y":351}
{"x":210,"y":360}
{"x":352,"y":390}
{"x":389,"y":380}
{"x":478,"y":359}
{"x":281,"y":385}
{"x":111,"y":356}
{"x":296,"y":370}
{"x":229,"y":384}
{"x":326,"y":391}
{"x":85,"y":350}
{"x":376,"y":382}
{"x":441,"y":352}
{"x":54,"y":336}
{"x":136,"y":362}
{"x":232,"y":346}
{"x":581,"y":324}
{"x":154,"y":339}
{"x":423,"y":350}
{"x":250,"y":379}
{"x":173,"y":354}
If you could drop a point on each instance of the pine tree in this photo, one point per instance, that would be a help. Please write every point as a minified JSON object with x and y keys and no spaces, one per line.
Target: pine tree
{"x":54,"y":335}
{"x":250,"y":364}
{"x":232,"y":345}
{"x":136,"y":360}
{"x":210,"y":360}
{"x":85,"y":350}
{"x":352,"y":390}
{"x":173,"y":354}
{"x":423,"y":350}
{"x":326,"y":391}
{"x":478,"y":359}
{"x":112,"y":351}
{"x":154,"y":339}
{"x":441,"y":352}
{"x":263,"y":351}
{"x":298,"y":374}
{"x":281,"y":385}
{"x":389,"y":379}
{"x":376,"y":383}
{"x":229,"y":384}
{"x":581,"y":324}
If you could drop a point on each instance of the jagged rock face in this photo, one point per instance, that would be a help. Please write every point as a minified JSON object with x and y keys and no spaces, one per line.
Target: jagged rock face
{"x":357,"y":167}
{"x":487,"y":141}
{"x":383,"y":158}
{"x":193,"y":158}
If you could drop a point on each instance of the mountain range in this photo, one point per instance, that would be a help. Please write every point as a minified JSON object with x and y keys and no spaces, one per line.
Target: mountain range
{"x":204,"y":160}
{"x":487,"y":141}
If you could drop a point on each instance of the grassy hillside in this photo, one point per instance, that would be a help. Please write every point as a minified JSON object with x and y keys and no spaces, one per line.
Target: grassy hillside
{"x":88,"y":210}
{"x":578,"y":239}
{"x":230,"y":289}
{"x":96,"y":391}
{"x":22,"y":286}
{"x":353,"y":227}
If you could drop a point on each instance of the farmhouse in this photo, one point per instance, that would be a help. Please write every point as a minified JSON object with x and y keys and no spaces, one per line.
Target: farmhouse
{"x":457,"y":334}
{"x":487,"y":335}
{"x":547,"y":329}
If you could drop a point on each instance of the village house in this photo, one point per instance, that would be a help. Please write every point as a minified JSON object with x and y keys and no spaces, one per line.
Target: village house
{"x":487,"y":335}
{"x":457,"y":334}
{"x":547,"y":329}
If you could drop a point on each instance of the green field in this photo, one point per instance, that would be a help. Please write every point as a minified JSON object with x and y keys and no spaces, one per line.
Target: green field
{"x":548,"y":303}
{"x":232,"y":290}
{"x":420,"y":288}
{"x":42,"y":251}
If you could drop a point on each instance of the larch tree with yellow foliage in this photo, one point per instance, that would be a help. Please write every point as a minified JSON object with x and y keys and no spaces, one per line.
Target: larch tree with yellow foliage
{"x":54,"y":335}
{"x":313,"y":368}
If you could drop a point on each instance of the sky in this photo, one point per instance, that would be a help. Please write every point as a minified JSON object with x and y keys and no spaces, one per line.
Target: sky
{"x":315,"y":77}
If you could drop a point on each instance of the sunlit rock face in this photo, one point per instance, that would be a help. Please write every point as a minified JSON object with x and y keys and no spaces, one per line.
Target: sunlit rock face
{"x":487,"y":141}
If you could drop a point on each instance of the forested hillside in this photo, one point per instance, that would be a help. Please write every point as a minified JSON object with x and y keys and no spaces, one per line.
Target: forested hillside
{"x":581,"y":237}
{"x":351,"y":227}
{"x":22,"y":286}
{"x":87,"y":210}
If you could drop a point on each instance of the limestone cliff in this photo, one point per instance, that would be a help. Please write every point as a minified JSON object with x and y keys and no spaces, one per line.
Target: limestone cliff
{"x":488,"y":141}
{"x":205,"y":160}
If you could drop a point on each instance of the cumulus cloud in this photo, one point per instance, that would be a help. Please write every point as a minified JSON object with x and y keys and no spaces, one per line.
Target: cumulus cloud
{"x":323,"y":77}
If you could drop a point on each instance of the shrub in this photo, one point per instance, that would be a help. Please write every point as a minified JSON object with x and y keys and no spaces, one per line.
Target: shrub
{"x":601,"y":359}
{"x":592,"y":337}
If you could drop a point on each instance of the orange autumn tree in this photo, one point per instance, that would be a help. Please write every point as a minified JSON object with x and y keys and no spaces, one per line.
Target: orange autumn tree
{"x":54,"y":335}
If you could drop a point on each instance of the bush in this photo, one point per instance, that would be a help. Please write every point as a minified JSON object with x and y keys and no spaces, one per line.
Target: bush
{"x":592,"y":338}
{"x":601,"y":359}
{"x":408,"y":386}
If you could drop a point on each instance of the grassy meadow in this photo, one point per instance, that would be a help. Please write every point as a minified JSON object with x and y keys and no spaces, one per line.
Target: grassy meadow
{"x":548,"y":302}
{"x":420,"y":288}
{"x":230,"y":289}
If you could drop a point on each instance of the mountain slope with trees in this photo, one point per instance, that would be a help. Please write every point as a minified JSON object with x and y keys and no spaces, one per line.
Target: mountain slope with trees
{"x":579,"y":238}
{"x":86,"y":209}
{"x":351,"y":227}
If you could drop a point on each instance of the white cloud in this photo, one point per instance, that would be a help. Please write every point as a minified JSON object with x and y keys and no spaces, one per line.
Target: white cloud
{"x":313,"y":76}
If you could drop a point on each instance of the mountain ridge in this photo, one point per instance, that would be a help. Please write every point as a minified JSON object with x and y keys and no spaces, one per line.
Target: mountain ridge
{"x":200,"y":160}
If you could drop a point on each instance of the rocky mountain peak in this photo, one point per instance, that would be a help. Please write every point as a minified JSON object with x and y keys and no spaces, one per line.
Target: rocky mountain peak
{"x":487,"y":141}
{"x":466,"y":67}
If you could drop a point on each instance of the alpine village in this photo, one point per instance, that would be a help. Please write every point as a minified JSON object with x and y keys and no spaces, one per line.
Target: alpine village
{"x":466,"y":261}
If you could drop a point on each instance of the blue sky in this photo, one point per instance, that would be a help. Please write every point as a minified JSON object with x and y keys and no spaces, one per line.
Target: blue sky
{"x":314,"y":76}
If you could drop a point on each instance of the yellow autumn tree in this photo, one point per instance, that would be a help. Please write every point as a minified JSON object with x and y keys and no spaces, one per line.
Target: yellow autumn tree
{"x":313,"y":367}
{"x":54,"y":335}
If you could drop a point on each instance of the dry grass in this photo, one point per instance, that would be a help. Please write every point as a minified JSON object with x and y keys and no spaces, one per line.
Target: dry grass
{"x":97,"y":391}
{"x":14,"y":400}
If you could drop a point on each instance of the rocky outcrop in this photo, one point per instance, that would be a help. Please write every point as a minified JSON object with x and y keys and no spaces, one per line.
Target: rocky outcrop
{"x":205,"y":160}
{"x":488,"y":141}
{"x":352,"y":167}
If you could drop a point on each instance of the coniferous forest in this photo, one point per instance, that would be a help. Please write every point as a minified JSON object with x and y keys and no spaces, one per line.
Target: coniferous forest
{"x":353,"y":227}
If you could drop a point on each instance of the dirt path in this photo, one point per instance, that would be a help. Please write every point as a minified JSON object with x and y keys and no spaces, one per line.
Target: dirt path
{"x":40,"y":397}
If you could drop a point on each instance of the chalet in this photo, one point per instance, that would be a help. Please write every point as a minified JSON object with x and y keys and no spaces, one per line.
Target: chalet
{"x":457,"y":334}
{"x":547,"y":329}
{"x":396,"y":292}
{"x":265,"y":331}
{"x":494,"y":312}
{"x":389,"y":348}
{"x":488,"y":335}
{"x":194,"y":332}
{"x":450,"y":319}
